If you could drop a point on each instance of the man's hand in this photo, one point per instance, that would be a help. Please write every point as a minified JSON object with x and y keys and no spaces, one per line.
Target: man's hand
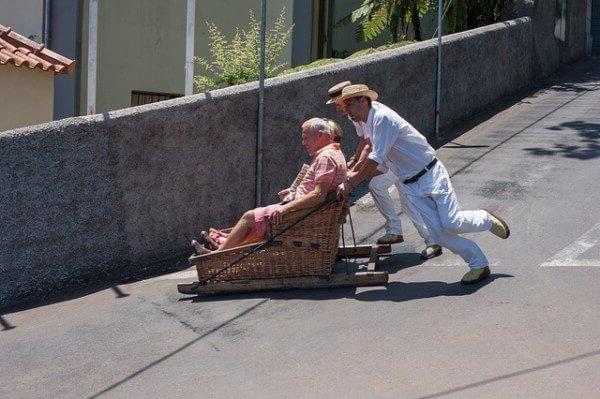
{"x":283,"y":193}
{"x":350,"y":164}
{"x":344,"y":189}
{"x":276,"y":214}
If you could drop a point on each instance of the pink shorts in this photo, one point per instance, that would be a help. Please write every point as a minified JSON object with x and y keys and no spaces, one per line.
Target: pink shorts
{"x":261,"y":220}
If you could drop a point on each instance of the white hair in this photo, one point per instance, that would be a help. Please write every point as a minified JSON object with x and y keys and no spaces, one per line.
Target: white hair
{"x":335,"y":130}
{"x":316,"y":125}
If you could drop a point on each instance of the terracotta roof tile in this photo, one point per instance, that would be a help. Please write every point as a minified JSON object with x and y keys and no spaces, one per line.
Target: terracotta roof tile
{"x":21,"y":51}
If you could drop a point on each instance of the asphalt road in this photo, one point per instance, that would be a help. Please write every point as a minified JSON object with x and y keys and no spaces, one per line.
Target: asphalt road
{"x":530,"y":331}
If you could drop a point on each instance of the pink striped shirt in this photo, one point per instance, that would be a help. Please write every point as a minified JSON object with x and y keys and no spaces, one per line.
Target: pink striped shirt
{"x":328,"y":166}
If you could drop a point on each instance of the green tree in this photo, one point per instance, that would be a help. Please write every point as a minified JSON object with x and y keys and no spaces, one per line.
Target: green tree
{"x":469,"y":14}
{"x":236,"y":61}
{"x":376,"y":16}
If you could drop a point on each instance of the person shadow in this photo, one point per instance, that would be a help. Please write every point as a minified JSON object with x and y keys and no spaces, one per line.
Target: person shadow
{"x":397,"y":291}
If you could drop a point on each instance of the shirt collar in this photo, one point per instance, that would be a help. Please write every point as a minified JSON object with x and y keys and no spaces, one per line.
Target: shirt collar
{"x":332,"y":146}
{"x":371,"y":115}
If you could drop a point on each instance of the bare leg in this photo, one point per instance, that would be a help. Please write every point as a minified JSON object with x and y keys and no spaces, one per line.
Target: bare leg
{"x":240,"y":231}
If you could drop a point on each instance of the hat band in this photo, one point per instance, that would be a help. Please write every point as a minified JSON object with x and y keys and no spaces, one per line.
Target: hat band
{"x":335,"y":94}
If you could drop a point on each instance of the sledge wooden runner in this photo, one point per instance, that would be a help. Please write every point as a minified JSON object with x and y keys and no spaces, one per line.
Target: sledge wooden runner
{"x":300,"y":253}
{"x":271,"y":284}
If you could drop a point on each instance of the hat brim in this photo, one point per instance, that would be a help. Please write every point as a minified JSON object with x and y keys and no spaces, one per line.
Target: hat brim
{"x":333,"y":100}
{"x":363,"y":93}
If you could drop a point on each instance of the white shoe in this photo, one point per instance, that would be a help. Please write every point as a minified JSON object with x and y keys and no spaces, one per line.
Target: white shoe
{"x":499,"y":226}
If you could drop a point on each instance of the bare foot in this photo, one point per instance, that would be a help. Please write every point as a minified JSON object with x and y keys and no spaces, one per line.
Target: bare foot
{"x":208,"y":242}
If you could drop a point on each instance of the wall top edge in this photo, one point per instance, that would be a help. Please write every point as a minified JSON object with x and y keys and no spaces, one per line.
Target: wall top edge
{"x":249,"y":88}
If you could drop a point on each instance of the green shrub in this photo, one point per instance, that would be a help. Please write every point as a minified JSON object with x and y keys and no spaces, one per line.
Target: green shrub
{"x":236,"y":61}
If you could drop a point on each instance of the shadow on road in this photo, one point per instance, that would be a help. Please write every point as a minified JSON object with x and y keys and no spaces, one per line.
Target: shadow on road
{"x":455,"y":144}
{"x":5,"y":324}
{"x":511,"y":375}
{"x":586,"y":147}
{"x":401,"y":292}
{"x":71,"y":291}
{"x":178,"y":350}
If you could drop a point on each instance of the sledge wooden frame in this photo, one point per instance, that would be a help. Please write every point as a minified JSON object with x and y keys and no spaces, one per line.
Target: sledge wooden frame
{"x":297,"y":257}
{"x":358,"y":279}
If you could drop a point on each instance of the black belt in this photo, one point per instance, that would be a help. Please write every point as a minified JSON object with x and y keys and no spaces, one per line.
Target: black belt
{"x":421,"y":173}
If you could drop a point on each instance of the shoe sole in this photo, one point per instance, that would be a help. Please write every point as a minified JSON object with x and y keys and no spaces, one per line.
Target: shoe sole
{"x":502,"y":222}
{"x":390,"y":242}
{"x":482,"y":277}
{"x":435,"y":254}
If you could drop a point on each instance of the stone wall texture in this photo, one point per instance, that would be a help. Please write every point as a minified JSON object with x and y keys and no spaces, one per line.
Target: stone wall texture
{"x":99,"y":198}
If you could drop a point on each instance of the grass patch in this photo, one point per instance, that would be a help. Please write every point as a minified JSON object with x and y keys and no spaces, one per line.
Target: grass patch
{"x":360,"y":53}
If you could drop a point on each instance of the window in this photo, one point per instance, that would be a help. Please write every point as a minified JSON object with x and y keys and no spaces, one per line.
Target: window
{"x":147,"y":97}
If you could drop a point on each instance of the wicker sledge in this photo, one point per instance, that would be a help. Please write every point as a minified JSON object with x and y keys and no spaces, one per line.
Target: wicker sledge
{"x":300,"y":252}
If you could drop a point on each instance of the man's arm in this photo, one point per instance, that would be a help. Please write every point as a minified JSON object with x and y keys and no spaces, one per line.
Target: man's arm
{"x":312,"y":199}
{"x":366,"y":172}
{"x":359,"y":153}
{"x":366,"y":150}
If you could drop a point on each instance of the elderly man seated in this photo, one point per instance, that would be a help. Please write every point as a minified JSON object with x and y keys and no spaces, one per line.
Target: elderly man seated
{"x":320,"y":138}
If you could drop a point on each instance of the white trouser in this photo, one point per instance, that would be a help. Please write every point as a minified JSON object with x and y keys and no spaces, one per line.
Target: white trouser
{"x":434,"y":198}
{"x":379,"y":187}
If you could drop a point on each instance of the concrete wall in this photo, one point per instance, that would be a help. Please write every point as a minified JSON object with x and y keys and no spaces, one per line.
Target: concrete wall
{"x":25,"y":17}
{"x":549,"y":52}
{"x":94,"y":198}
{"x":141,"y":43}
{"x":26,"y":96}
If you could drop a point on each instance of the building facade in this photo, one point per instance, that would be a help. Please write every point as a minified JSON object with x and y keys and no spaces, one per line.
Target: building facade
{"x":27,"y":71}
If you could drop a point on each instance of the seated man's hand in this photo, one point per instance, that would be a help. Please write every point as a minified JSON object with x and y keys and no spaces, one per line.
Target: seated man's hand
{"x":276,"y":214}
{"x":344,"y":189}
{"x":283,"y":193}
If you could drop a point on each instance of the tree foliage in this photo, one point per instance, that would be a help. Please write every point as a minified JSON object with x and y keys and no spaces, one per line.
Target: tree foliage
{"x":376,"y":16}
{"x":237,"y":61}
{"x":469,"y":14}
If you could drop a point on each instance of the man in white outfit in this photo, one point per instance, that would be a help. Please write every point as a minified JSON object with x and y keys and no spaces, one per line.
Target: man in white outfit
{"x":400,"y":147}
{"x":379,"y":187}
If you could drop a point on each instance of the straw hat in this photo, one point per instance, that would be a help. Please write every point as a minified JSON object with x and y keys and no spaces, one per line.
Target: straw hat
{"x":358,"y":91}
{"x":335,"y":92}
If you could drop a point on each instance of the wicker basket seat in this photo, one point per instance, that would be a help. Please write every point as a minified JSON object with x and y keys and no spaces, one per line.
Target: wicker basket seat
{"x":309,"y":248}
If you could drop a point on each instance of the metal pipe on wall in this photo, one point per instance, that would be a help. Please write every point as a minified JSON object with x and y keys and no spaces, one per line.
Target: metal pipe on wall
{"x":46,"y":34}
{"x":439,"y":72}
{"x":261,"y":105}
{"x":92,"y":53}
{"x":189,"y":47}
{"x":588,"y":30}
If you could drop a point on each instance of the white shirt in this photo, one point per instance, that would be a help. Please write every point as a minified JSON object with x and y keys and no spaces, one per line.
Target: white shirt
{"x":396,"y":143}
{"x":358,"y":128}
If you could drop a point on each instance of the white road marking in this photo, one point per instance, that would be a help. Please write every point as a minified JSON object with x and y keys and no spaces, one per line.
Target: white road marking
{"x":568,"y":256}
